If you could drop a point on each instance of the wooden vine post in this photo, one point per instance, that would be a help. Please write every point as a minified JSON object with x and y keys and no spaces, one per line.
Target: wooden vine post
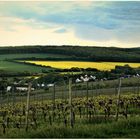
{"x":54,"y":96}
{"x":27,"y":106}
{"x":13,"y":95}
{"x":118,"y":99}
{"x":75,"y":90}
{"x":0,"y":98}
{"x":138,"y":87}
{"x":87,"y":99}
{"x":138,"y":90}
{"x":96,"y":87}
{"x":87,"y":91}
{"x":92,"y":90}
{"x":53,"y":101}
{"x":70,"y":103}
{"x":66,"y":96}
{"x":8,"y":99}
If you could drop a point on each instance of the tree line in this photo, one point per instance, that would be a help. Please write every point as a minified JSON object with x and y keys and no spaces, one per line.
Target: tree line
{"x":111,"y":54}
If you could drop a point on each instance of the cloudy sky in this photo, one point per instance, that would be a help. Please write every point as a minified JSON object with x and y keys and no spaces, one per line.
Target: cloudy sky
{"x":100,"y":23}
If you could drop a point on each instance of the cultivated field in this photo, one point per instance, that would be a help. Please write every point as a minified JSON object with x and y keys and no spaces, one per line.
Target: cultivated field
{"x":16,"y":67}
{"x":80,"y":64}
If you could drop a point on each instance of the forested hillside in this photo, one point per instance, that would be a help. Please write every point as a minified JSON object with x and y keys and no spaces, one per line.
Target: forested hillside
{"x":78,"y":52}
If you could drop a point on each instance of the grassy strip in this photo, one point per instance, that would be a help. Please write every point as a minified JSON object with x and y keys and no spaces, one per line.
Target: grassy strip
{"x":121,"y":129}
{"x":16,"y":67}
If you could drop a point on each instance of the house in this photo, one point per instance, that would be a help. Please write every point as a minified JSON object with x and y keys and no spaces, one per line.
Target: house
{"x":50,"y":85}
{"x":78,"y":80}
{"x":23,"y":89}
{"x":18,"y":88}
{"x":8,"y":89}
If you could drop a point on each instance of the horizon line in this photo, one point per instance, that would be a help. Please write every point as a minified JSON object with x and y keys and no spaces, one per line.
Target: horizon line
{"x":69,"y":46}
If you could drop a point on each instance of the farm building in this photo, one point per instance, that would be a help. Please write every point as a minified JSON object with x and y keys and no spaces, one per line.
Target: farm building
{"x":19,"y":88}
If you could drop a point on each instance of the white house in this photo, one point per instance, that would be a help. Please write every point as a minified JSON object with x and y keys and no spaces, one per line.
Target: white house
{"x":18,"y":88}
{"x":92,"y":77}
{"x":8,"y":88}
{"x":50,"y":85}
{"x":78,"y":80}
{"x":24,"y":89}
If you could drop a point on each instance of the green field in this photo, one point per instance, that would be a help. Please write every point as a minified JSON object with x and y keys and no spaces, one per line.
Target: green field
{"x":16,"y":67}
{"x":121,"y":129}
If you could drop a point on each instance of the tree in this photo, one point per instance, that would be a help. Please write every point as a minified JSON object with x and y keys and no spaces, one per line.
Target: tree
{"x":3,"y":85}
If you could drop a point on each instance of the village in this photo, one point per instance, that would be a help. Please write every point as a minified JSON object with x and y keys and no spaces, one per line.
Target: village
{"x":22,"y":85}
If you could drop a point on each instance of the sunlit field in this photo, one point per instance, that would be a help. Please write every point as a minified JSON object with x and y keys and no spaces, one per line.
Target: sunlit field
{"x":80,"y":64}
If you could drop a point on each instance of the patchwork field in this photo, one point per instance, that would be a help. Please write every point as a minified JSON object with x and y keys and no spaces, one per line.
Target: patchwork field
{"x":80,"y":64}
{"x":16,"y":67}
{"x":30,"y":55}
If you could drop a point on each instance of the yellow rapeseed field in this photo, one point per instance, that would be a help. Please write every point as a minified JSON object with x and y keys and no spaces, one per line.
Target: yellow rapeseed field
{"x":80,"y":64}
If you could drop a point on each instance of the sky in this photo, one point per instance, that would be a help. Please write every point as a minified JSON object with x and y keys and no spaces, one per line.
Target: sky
{"x":84,"y":23}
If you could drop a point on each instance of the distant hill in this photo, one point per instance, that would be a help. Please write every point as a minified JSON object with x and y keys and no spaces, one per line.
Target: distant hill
{"x":79,"y":52}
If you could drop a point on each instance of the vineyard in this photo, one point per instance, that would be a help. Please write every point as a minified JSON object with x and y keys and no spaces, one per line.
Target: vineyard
{"x":69,"y":70}
{"x":30,"y":115}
